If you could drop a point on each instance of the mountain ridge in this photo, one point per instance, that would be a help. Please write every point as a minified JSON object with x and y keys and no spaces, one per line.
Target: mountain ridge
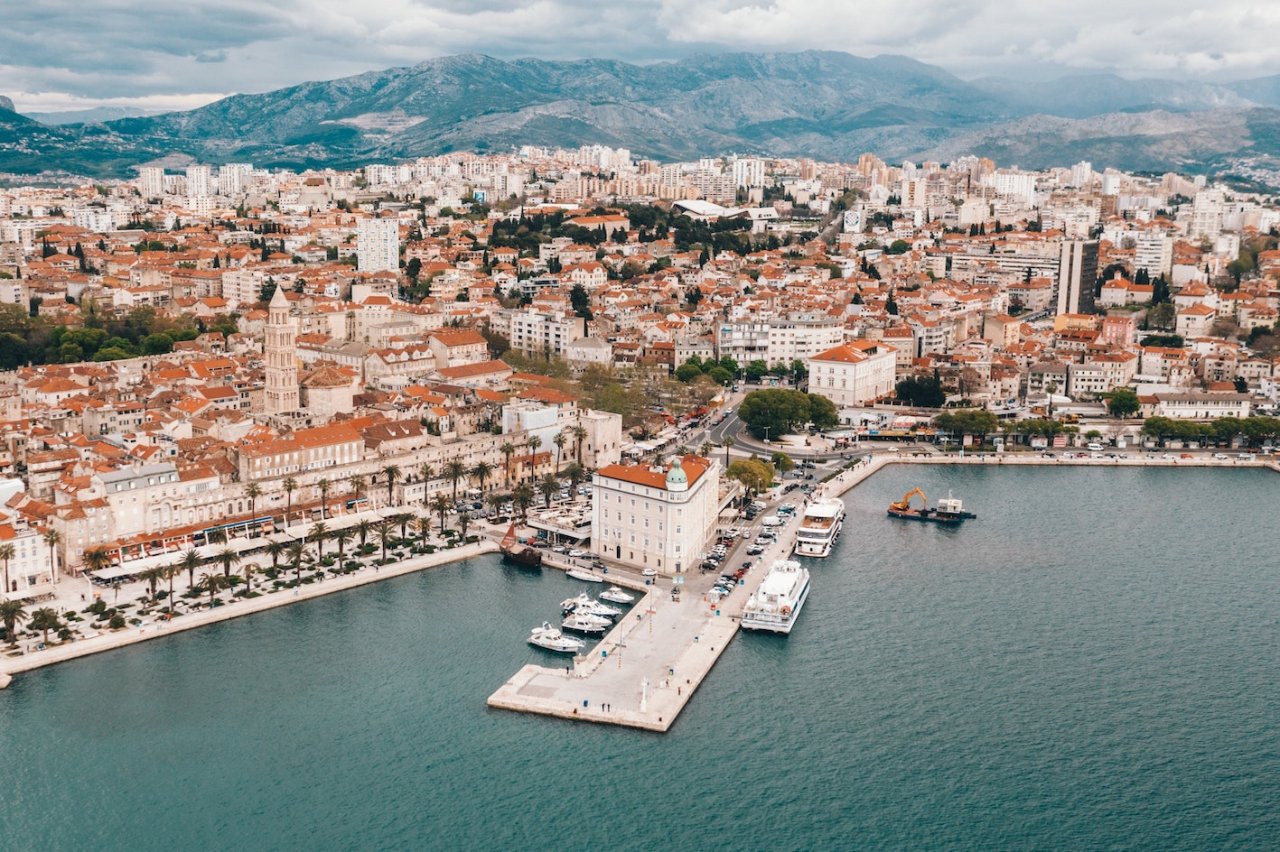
{"x":822,"y":104}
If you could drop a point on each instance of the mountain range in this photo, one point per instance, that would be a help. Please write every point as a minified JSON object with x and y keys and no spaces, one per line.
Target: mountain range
{"x":825,"y":105}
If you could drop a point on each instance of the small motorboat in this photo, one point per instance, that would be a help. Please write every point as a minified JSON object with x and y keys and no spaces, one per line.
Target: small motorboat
{"x":583,"y":603}
{"x":584,"y":576}
{"x":552,"y":639}
{"x":581,"y":622}
{"x":613,"y":594}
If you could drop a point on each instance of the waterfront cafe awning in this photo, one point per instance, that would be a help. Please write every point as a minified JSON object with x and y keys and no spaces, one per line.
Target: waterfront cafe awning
{"x":341,"y":522}
{"x":207,"y":551}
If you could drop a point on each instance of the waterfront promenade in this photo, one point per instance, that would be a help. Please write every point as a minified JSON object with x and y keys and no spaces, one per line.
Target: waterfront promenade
{"x":106,"y":641}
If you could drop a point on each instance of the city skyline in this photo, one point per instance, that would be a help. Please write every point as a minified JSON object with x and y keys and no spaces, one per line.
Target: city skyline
{"x":61,"y":59}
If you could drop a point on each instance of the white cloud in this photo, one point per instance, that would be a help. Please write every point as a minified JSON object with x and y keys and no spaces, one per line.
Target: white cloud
{"x":127,"y":50}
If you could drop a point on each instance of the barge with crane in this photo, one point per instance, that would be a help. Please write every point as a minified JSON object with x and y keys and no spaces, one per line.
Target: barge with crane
{"x":950,"y":510}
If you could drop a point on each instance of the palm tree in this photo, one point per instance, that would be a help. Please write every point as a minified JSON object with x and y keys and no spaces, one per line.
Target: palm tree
{"x":424,"y":526}
{"x":218,"y":536}
{"x":12,"y":612}
{"x":274,"y":550}
{"x":384,"y":535}
{"x":323,"y":485}
{"x":426,"y":471}
{"x":559,"y":440}
{"x":548,"y":486}
{"x":532,"y":443}
{"x":153,"y":576}
{"x":213,"y":582}
{"x":96,"y":558}
{"x":6,"y":553}
{"x":579,"y":435}
{"x":402,"y":519}
{"x":363,"y":529}
{"x":441,"y":505}
{"x":318,"y":533}
{"x":523,"y":498}
{"x":247,"y":574}
{"x":575,"y":473}
{"x":290,"y":486}
{"x":496,"y":501}
{"x":228,"y":557}
{"x":169,"y":573}
{"x":705,"y":449}
{"x":253,"y":492}
{"x":44,"y":620}
{"x":454,"y":471}
{"x":357,"y":485}
{"x":342,"y":536}
{"x":53,"y":538}
{"x":190,"y":561}
{"x":464,"y":520}
{"x":508,"y":450}
{"x":392,"y":473}
{"x":482,"y":471}
{"x":297,"y":550}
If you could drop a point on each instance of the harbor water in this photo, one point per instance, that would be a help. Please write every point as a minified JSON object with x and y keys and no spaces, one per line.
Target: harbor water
{"x":1090,"y":663}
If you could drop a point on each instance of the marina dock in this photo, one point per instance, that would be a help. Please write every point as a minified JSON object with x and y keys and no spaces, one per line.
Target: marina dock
{"x":645,"y":670}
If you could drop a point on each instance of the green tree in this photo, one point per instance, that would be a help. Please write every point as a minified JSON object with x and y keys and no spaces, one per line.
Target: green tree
{"x":12,"y":613}
{"x":774,"y":412}
{"x":1123,"y":402}
{"x":688,"y":372}
{"x":782,"y":462}
{"x":754,"y":474}
{"x":46,"y":619}
{"x":822,"y":412}
{"x":922,"y":391}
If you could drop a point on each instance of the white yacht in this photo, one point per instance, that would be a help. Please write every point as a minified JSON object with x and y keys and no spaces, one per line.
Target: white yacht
{"x":551,"y":639}
{"x":584,"y":576}
{"x":584,"y":604}
{"x":582,"y":622}
{"x":613,"y":594}
{"x":820,"y":527}
{"x":777,"y":602}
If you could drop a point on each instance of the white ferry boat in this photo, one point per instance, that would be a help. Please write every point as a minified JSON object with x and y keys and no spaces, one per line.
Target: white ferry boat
{"x":820,"y":527}
{"x":777,"y":602}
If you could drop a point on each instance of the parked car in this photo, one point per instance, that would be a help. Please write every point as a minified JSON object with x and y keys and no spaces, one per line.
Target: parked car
{"x":649,"y":572}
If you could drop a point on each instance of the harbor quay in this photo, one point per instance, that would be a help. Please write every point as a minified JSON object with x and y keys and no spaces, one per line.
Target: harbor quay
{"x":643,"y":673}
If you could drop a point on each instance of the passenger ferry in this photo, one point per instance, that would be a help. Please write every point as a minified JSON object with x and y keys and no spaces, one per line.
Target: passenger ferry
{"x":820,"y":528}
{"x":777,"y":602}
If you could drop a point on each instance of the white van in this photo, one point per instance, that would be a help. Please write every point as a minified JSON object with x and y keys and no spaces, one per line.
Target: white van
{"x":772,"y":521}
{"x":1095,"y":447}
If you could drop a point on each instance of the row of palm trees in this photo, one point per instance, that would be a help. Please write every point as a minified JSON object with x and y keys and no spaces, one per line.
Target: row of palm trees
{"x":13,"y":613}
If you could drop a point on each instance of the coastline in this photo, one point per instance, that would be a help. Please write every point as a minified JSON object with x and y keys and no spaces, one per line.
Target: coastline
{"x":10,"y":666}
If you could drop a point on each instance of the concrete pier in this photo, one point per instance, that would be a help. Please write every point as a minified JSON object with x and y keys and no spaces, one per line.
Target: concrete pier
{"x":645,"y":670}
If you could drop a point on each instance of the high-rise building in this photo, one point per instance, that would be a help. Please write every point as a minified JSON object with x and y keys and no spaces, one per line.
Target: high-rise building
{"x":1077,"y":277}
{"x":1154,"y":253}
{"x":151,"y":181}
{"x":378,"y":245}
{"x":282,"y":366}
{"x":199,"y":180}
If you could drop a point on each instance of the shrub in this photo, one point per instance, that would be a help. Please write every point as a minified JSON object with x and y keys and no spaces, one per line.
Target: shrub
{"x":116,"y":622}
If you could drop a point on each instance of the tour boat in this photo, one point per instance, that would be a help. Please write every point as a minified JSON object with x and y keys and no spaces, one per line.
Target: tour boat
{"x":551,"y":639}
{"x":613,"y":594}
{"x":582,"y":622}
{"x":520,"y":555}
{"x":776,"y":603}
{"x":820,"y":527}
{"x":584,"y":576}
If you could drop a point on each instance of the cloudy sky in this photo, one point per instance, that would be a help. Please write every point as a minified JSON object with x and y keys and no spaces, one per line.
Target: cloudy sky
{"x":71,"y":54}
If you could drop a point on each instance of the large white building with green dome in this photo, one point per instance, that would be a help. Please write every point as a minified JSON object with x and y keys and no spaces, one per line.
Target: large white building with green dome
{"x":664,"y":518}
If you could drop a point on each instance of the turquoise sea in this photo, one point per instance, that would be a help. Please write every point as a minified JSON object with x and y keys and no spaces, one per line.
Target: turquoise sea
{"x":1091,"y":663}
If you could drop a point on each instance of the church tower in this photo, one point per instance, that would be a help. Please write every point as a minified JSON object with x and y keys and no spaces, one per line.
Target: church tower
{"x":282,"y":366}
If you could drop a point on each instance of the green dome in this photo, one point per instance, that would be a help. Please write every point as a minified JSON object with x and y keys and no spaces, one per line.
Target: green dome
{"x":677,"y":479}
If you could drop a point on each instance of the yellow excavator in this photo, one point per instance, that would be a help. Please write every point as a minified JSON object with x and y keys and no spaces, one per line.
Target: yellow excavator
{"x":950,"y":510}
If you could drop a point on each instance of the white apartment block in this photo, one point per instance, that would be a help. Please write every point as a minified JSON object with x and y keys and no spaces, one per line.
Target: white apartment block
{"x":1154,"y":253}
{"x":854,"y":373}
{"x":199,"y":180}
{"x":151,"y":181}
{"x":378,"y":245}
{"x":545,"y":333}
{"x":646,"y":517}
{"x":777,"y":341}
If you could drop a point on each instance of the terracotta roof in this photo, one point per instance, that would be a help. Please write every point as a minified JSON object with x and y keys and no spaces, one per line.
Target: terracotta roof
{"x":647,"y":475}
